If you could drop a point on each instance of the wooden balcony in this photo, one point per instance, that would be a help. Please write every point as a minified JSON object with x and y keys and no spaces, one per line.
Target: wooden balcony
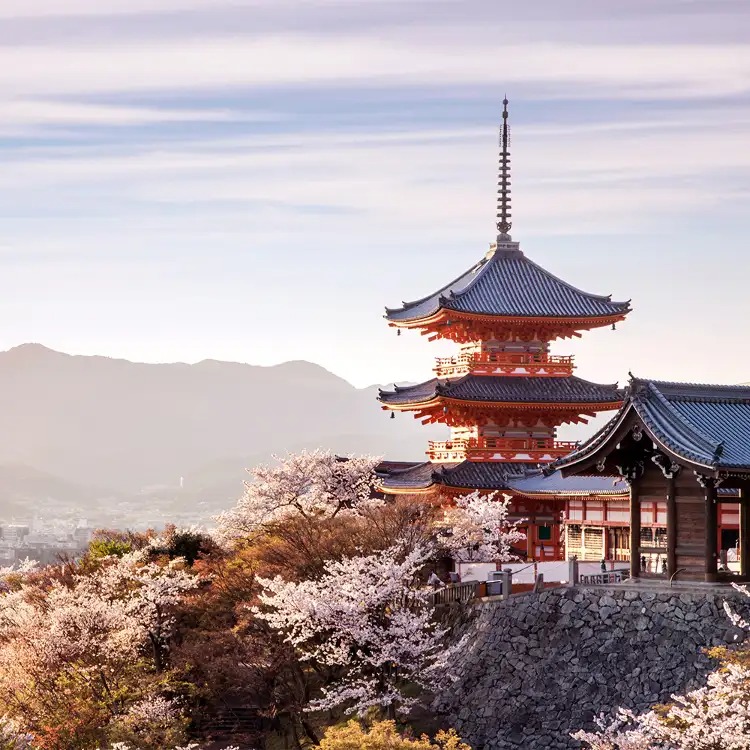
{"x":499,"y":449}
{"x":505,"y":363}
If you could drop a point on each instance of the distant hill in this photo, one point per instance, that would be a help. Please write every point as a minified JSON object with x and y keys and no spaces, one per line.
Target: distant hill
{"x":90,"y":422}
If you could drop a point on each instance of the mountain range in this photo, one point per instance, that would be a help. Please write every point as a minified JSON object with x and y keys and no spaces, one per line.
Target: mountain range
{"x":91,"y":431}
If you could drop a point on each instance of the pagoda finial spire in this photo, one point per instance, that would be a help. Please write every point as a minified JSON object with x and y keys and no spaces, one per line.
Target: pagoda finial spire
{"x":503,"y":184}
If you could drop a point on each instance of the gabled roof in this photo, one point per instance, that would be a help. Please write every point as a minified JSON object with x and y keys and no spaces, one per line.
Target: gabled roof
{"x":499,"y":389}
{"x":705,"y":425}
{"x":507,"y":284}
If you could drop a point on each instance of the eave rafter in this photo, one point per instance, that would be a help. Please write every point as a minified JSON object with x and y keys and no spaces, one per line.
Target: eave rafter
{"x":464,"y":327}
{"x":428,"y":490}
{"x":456,"y":413}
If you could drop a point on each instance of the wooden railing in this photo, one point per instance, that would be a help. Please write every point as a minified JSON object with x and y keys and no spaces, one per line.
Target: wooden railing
{"x":611,"y":576}
{"x":456,"y":592}
{"x":447,"y":450}
{"x":520,"y":449}
{"x":507,"y":363}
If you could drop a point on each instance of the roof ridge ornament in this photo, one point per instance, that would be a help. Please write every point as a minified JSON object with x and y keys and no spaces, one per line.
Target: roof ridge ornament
{"x":503,"y":193}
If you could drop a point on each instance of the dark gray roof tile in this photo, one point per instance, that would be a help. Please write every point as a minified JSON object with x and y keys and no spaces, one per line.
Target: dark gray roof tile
{"x":506,"y":389}
{"x":557,"y":484}
{"x":708,"y":425}
{"x":513,"y":477}
{"x":508,"y":284}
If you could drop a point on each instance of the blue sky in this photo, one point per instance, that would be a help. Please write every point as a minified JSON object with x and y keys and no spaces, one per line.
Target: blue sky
{"x":254,"y":180}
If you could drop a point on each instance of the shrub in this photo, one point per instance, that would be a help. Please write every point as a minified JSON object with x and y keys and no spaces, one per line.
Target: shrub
{"x":383,"y":735}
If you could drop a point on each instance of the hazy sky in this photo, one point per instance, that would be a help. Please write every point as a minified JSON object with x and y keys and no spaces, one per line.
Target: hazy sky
{"x":255,"y":180}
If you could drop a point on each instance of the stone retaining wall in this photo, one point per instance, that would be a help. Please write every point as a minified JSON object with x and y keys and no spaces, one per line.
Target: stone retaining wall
{"x":539,"y":666}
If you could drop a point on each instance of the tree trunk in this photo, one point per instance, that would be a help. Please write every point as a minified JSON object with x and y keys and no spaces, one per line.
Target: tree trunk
{"x":309,"y":731}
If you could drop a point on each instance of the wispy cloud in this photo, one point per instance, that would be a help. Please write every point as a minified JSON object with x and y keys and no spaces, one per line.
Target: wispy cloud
{"x":242,"y":152}
{"x":39,"y":112}
{"x":655,"y":71}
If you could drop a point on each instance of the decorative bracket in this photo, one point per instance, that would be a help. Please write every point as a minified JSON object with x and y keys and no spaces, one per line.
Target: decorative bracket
{"x":705,"y":481}
{"x":632,"y":470}
{"x":668,"y":468}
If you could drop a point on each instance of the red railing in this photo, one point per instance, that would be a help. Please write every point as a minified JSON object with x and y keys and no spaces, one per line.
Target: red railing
{"x":506,"y":362}
{"x":447,"y":450}
{"x":530,"y":449}
{"x":506,"y":443}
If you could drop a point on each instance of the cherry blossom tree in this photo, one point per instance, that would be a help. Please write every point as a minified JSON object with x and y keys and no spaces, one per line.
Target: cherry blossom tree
{"x":307,"y":484}
{"x":16,"y":573}
{"x":145,"y":594}
{"x":83,"y":642}
{"x":477,"y":528}
{"x":368,"y":619}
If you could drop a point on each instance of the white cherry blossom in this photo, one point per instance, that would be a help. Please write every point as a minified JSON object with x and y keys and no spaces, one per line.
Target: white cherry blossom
{"x":307,"y":484}
{"x":477,"y":528}
{"x":369,"y":616}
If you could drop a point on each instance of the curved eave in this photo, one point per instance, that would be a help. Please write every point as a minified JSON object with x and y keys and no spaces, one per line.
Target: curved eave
{"x":586,"y":455}
{"x":566,"y":495}
{"x":386,"y":490}
{"x":444,"y":314}
{"x":439,"y":401}
{"x":464,"y":281}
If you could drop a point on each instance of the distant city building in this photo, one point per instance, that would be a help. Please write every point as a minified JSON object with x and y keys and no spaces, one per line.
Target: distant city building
{"x":14,"y":534}
{"x":46,"y":545}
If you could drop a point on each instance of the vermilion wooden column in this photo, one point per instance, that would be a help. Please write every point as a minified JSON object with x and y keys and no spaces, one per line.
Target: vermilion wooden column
{"x":530,"y":526}
{"x":744,"y":533}
{"x":712,"y":547}
{"x":671,"y":527}
{"x":635,"y":528}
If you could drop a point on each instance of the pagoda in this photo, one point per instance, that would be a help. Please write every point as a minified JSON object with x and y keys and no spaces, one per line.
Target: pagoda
{"x":503,"y":394}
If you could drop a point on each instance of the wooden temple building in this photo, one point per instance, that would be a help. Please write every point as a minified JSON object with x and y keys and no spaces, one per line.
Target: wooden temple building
{"x":664,"y":485}
{"x":504,"y":394}
{"x":684,"y":451}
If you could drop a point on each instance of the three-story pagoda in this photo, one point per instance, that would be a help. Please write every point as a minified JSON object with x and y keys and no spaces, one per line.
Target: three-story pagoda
{"x":504,"y":394}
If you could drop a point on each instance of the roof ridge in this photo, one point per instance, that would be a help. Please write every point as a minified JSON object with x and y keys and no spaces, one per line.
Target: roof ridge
{"x":708,"y":442}
{"x":616,"y":384}
{"x":588,"y":445}
{"x":738,"y":388}
{"x":485,"y":263}
{"x":476,"y":268}
{"x":604,"y":297}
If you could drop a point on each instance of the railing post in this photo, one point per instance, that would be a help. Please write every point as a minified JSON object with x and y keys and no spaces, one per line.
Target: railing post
{"x":572,"y":571}
{"x":507,"y":582}
{"x":539,"y":583}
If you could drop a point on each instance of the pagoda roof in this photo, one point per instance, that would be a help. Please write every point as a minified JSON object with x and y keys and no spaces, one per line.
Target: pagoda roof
{"x":509,"y":477}
{"x":500,"y":389}
{"x":420,"y":476}
{"x":507,"y":284}
{"x":707,"y":426}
